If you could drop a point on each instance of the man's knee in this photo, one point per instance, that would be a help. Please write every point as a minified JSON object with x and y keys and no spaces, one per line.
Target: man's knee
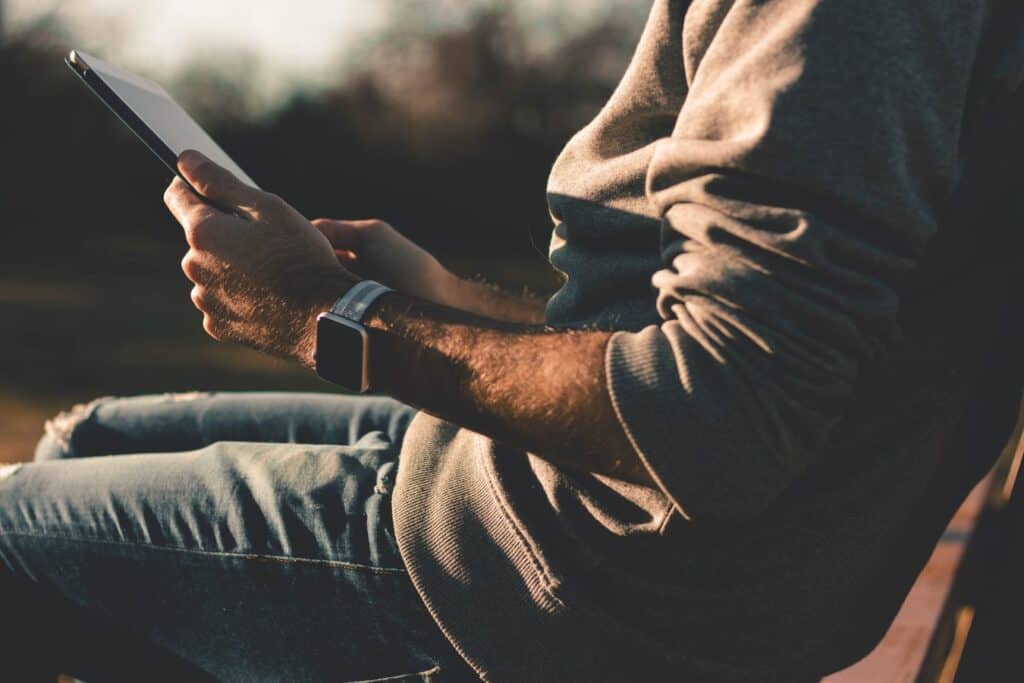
{"x":110,"y":426}
{"x":61,"y":433}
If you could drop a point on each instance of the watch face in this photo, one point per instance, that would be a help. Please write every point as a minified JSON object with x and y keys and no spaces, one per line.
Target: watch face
{"x":340,"y":352}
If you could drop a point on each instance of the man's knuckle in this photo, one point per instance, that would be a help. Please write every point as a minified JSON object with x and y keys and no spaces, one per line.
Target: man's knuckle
{"x":188,"y":265}
{"x":198,"y":296}
{"x":211,"y":327}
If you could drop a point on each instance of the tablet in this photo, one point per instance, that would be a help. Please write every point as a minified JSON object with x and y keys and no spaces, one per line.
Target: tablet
{"x":150,"y":113}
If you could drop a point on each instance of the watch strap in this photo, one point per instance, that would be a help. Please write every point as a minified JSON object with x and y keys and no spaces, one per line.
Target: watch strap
{"x":357,"y":300}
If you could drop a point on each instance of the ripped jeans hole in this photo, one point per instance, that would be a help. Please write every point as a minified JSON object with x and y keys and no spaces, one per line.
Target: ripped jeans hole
{"x":63,"y":426}
{"x":9,"y":470}
{"x":385,"y":479}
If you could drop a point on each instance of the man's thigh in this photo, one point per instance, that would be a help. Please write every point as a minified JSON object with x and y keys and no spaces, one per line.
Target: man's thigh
{"x":185,"y":422}
{"x":249,"y":561}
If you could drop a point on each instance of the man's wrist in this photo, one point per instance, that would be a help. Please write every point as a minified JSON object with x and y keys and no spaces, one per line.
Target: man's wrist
{"x":390,"y":322}
{"x":331,"y":289}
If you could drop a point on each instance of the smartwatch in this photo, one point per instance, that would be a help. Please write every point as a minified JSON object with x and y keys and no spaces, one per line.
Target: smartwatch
{"x":342,"y":354}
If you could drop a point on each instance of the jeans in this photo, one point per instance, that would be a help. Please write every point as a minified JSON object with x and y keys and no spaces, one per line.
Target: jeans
{"x":228,"y":537}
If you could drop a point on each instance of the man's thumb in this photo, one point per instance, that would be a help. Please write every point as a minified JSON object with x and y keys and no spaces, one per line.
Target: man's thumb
{"x":218,"y":184}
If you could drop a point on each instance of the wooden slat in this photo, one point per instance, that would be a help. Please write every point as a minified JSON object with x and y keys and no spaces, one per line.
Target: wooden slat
{"x":902,"y":652}
{"x":932,"y":626}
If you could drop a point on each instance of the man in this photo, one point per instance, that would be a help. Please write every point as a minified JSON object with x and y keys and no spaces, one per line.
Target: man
{"x":734,"y":475}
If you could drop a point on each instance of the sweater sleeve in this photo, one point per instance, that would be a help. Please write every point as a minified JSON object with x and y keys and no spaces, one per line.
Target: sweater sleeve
{"x":802,"y":181}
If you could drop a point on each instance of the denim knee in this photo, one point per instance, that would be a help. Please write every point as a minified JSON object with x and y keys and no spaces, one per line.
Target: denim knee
{"x":59,"y":433}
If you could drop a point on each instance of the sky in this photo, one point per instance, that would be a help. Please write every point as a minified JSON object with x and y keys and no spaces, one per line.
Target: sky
{"x":288,"y":42}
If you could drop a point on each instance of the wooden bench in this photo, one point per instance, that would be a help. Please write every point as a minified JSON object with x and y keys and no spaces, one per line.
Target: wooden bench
{"x":927,"y":639}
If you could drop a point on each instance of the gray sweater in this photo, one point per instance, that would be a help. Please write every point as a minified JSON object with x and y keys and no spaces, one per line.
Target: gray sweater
{"x":801,"y":218}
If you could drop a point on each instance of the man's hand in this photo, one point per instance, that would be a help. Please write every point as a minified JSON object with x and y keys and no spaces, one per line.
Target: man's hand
{"x":259,"y":280}
{"x":375,"y":250}
{"x":262,"y":281}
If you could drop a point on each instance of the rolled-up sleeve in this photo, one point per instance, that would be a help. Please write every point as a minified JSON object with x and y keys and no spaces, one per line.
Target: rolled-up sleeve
{"x":817,"y":144}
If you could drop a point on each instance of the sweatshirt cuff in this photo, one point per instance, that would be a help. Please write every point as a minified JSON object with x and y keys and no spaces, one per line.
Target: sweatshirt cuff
{"x":670,"y":402}
{"x":633,"y":365}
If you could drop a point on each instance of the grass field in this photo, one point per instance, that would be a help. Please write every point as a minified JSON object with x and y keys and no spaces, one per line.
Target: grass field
{"x":114,"y":318}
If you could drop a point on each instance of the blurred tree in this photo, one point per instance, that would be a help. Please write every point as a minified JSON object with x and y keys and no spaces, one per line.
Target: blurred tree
{"x":446,"y":124}
{"x":447,"y":130}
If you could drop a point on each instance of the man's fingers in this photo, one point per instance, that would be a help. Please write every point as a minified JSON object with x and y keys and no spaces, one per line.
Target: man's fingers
{"x":342,"y":235}
{"x":205,"y":227}
{"x":200,"y":268}
{"x":188,"y":209}
{"x":180,"y":200}
{"x":346,"y":257}
{"x":347,"y":235}
{"x":221,"y":186}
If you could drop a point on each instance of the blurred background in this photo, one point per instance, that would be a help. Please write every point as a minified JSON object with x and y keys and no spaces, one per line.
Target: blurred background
{"x":439,"y":116}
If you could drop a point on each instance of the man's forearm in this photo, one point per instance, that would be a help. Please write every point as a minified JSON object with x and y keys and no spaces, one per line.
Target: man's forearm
{"x":526,"y":386}
{"x":540,"y":390}
{"x":490,"y":301}
{"x":523,"y":385}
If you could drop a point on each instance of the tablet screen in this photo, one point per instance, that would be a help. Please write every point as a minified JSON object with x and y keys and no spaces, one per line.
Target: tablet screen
{"x":162,"y":115}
